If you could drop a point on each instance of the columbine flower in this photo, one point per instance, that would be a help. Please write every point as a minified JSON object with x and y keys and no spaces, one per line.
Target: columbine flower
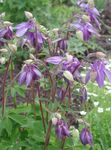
{"x":62,"y":129}
{"x":69,"y":65}
{"x":86,"y":29}
{"x":62,"y":44}
{"x":86,"y":137}
{"x":6,"y":33}
{"x":92,"y":12}
{"x":24,"y":27}
{"x":29,"y":73}
{"x":98,"y":72}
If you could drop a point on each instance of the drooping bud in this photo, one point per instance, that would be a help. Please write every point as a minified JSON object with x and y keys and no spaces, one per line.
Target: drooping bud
{"x":100,"y":55}
{"x":68,"y":75}
{"x":8,"y":23}
{"x":2,"y":15}
{"x":2,"y":60}
{"x":58,"y":115}
{"x":28,"y":14}
{"x":86,"y":18}
{"x":3,"y":50}
{"x":54,"y":121}
{"x":79,"y":35}
{"x":74,"y":132}
{"x":28,"y":61}
{"x":32,"y":57}
{"x":91,"y":3}
{"x":12,"y":47}
{"x":86,"y":137}
{"x":69,"y":57}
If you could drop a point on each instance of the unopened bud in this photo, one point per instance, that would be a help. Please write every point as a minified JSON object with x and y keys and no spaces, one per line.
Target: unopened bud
{"x":79,"y":34}
{"x":28,"y":14}
{"x":2,"y":60}
{"x":28,"y":61}
{"x":93,"y":75}
{"x":3,"y":50}
{"x":12,"y":47}
{"x":100,"y":55}
{"x":8,"y":23}
{"x":75,"y":134}
{"x":68,"y":75}
{"x":2,"y":15}
{"x":86,"y":18}
{"x":54,"y":121}
{"x":69,"y":57}
{"x":91,"y":3}
{"x":58,"y":115}
{"x":32,"y":57}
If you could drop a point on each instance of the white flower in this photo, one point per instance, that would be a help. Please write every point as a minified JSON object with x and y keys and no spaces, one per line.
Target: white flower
{"x":108,"y":109}
{"x":83,"y":113}
{"x":96,"y":104}
{"x":100,"y":110}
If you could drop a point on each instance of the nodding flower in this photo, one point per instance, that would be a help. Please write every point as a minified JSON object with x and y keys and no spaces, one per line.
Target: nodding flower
{"x":31,"y":35}
{"x":86,"y":137}
{"x":29,"y":73}
{"x":87,"y":30}
{"x":61,"y":129}
{"x":98,"y":72}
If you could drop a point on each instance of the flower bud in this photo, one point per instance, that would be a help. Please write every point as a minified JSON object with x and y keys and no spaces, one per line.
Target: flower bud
{"x":3,"y":50}
{"x":86,"y":18}
{"x":91,"y":3}
{"x":28,"y":14}
{"x":58,"y":115}
{"x":28,"y":61}
{"x":69,"y":57}
{"x":79,"y":34}
{"x":2,"y":60}
{"x":2,"y":15}
{"x":74,"y":132}
{"x":8,"y":23}
{"x":100,"y":55}
{"x":12,"y":47}
{"x":54,"y":121}
{"x":68,"y":75}
{"x":32,"y":57}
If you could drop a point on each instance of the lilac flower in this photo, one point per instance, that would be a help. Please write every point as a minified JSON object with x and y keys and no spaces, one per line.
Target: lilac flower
{"x":36,"y":39}
{"x":6,"y":33}
{"x":86,"y":137}
{"x":83,"y":94}
{"x":92,"y":12}
{"x":62,"y":129}
{"x":62,"y":44}
{"x":24,"y":27}
{"x":68,"y":63}
{"x":98,"y":72}
{"x":29,"y":73}
{"x":87,"y":30}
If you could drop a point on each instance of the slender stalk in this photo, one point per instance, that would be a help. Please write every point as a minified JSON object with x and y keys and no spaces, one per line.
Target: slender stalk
{"x":33,"y":101}
{"x":41,"y":108}
{"x":3,"y":89}
{"x":48,"y":135}
{"x":63,"y":143}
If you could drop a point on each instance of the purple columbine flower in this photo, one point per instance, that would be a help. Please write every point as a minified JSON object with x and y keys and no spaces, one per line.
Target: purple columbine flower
{"x":36,"y":39}
{"x":87,"y":30}
{"x":98,"y":72}
{"x":24,"y":27}
{"x":92,"y":12}
{"x":29,"y":73}
{"x":62,"y":44}
{"x":83,"y":94}
{"x":68,"y":63}
{"x":31,"y":34}
{"x":86,"y":137}
{"x":6,"y":33}
{"x":61,"y":129}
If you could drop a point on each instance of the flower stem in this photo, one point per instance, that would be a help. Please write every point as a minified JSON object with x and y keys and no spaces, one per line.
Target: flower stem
{"x":3,"y":89}
{"x":48,"y":135}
